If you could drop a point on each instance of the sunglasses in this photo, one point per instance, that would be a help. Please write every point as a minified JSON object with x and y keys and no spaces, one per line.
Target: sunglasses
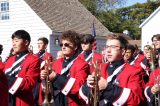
{"x":65,"y":45}
{"x":85,"y":43}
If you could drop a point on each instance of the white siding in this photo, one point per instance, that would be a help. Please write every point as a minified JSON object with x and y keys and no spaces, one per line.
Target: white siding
{"x":150,"y":28}
{"x":22,"y":17}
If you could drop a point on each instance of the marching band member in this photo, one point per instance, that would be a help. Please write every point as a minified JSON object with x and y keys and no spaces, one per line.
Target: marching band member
{"x":156,"y":41}
{"x":149,"y":52}
{"x":69,"y":72}
{"x":147,"y":60}
{"x":120,"y":83}
{"x":152,"y":87}
{"x":22,"y":71}
{"x":132,"y":56}
{"x":88,"y":54}
{"x":129,"y":54}
{"x":136,"y":61}
{"x":42,"y":46}
{"x":3,"y":87}
{"x":42,"y":55}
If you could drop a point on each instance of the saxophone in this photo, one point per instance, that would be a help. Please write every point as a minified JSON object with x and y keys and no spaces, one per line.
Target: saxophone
{"x":48,"y":91}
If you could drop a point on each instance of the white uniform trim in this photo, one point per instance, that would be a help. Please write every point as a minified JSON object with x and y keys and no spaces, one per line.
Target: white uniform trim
{"x":15,"y":86}
{"x":109,"y":79}
{"x":123,"y":98}
{"x":68,"y":66}
{"x":84,"y":97}
{"x":89,"y":57}
{"x":42,"y":64}
{"x":15,"y":70}
{"x":143,"y":66}
{"x":68,"y":86}
{"x":133,"y":62}
{"x":145,"y":93}
{"x":42,"y":55}
{"x":15,"y":63}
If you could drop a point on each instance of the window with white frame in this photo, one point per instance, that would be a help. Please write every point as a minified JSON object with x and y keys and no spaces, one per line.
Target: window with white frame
{"x":4,"y":10}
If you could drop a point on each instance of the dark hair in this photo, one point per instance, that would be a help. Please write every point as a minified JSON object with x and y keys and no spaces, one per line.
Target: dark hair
{"x":123,"y":41}
{"x":130,"y":47}
{"x":156,"y":36}
{"x":87,"y":38}
{"x":22,"y":34}
{"x":44,"y":39}
{"x":1,"y":49}
{"x":73,"y":37}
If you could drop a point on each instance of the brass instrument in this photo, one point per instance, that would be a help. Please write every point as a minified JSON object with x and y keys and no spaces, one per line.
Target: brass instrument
{"x":156,"y":78}
{"x":152,"y":51}
{"x":94,"y":95}
{"x":48,"y":91}
{"x":30,"y":49}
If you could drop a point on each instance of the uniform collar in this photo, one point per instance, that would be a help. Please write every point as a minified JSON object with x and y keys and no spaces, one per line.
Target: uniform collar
{"x":67,"y":61}
{"x":158,"y":50}
{"x":87,"y":53}
{"x":70,"y":58}
{"x":41,"y":52}
{"x":20,"y":54}
{"x":116,"y":63}
{"x":130,"y":59}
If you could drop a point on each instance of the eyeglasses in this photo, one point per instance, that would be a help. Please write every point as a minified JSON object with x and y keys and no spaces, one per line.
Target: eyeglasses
{"x":155,"y":40}
{"x":112,"y":47}
{"x":65,"y":45}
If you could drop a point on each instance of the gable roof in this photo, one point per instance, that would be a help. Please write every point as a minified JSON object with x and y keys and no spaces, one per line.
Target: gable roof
{"x":150,"y":17}
{"x":62,"y":15}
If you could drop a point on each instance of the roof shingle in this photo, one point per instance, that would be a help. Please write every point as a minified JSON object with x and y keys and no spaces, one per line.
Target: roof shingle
{"x":62,"y":15}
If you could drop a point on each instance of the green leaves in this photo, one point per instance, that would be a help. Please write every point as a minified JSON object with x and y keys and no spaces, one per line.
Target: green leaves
{"x":120,"y":19}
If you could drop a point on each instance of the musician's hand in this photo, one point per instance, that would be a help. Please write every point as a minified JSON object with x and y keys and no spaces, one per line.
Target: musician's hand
{"x":43,"y":74}
{"x":90,"y":80}
{"x":102,"y":83}
{"x":52,"y":75}
{"x":155,"y":89}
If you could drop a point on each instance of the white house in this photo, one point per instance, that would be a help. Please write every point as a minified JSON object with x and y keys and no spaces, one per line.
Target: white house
{"x":150,"y":27}
{"x":47,"y":18}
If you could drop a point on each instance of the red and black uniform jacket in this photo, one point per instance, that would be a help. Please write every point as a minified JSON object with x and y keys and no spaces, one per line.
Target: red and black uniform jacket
{"x":22,"y":71}
{"x":140,"y":62}
{"x":67,"y":83}
{"x":152,"y":81}
{"x":37,"y":91}
{"x":124,"y":86}
{"x":90,"y":57}
{"x":3,"y":87}
{"x":42,"y":56}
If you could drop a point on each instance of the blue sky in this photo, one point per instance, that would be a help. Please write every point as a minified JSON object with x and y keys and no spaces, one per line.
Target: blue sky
{"x":131,"y":2}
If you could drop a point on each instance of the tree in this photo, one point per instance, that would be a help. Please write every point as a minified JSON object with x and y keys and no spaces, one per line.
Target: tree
{"x":95,"y":5}
{"x":110,"y":20}
{"x":119,"y":19}
{"x":132,"y":16}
